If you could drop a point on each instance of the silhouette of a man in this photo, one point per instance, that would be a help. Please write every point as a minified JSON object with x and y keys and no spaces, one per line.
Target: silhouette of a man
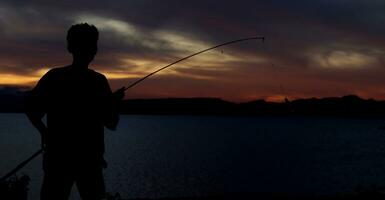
{"x":78,"y":104}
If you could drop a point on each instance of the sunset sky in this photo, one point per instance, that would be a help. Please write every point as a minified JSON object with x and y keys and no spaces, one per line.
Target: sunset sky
{"x":317,"y":48}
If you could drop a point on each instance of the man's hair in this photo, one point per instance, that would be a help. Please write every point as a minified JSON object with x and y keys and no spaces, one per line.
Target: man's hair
{"x":81,"y":35}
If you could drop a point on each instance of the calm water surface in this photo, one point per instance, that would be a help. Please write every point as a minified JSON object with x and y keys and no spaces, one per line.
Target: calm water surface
{"x":170,"y":156}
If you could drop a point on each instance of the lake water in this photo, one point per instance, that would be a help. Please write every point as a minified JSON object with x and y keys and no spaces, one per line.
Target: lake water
{"x":171,"y":156}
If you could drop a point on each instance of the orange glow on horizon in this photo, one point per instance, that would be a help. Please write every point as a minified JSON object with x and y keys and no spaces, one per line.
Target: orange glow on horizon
{"x":17,"y":80}
{"x":276,"y":98}
{"x":118,"y":75}
{"x":10,"y":79}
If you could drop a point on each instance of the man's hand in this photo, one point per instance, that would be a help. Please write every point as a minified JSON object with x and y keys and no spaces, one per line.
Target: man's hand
{"x":112,"y":117}
{"x":118,"y":95}
{"x":43,"y":142}
{"x":43,"y":135}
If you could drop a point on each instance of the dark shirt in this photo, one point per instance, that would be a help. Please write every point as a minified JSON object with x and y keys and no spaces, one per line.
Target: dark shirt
{"x":78,"y":104}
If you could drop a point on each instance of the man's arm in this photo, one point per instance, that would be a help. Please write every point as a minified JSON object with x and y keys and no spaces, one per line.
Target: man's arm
{"x":40,"y":126}
{"x":35,"y":109}
{"x":113,"y":100}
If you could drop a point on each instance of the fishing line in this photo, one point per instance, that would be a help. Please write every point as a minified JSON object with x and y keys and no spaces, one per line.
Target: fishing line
{"x":282,"y":90}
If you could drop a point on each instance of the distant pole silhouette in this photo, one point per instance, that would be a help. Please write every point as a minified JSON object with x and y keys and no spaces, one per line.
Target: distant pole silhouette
{"x":21,"y":165}
{"x":192,"y":55}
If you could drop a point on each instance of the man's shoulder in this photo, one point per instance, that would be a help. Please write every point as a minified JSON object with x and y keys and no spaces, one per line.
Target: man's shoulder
{"x":97,"y":75}
{"x":56,"y":71}
{"x":49,"y":77}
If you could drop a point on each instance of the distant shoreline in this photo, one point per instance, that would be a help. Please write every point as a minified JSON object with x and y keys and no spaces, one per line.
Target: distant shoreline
{"x":346,"y":106}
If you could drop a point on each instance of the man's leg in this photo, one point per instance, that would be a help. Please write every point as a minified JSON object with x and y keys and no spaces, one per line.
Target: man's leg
{"x":56,"y":185}
{"x":90,"y":183}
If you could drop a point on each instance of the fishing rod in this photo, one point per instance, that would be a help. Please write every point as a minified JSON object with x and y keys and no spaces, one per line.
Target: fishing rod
{"x":21,"y":165}
{"x":192,"y":55}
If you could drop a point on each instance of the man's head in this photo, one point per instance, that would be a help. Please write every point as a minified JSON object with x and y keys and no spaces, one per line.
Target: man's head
{"x":82,"y":42}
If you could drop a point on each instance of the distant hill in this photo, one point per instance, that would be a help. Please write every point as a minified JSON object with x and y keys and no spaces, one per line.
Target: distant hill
{"x":350,"y":105}
{"x":184,"y":106}
{"x":13,"y":100}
